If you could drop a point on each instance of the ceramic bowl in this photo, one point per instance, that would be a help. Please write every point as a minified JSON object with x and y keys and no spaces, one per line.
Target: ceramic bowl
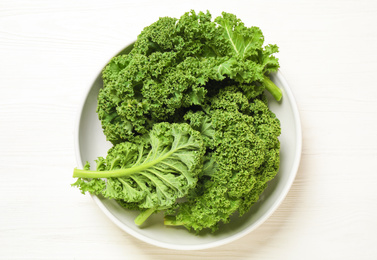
{"x":91,"y":143}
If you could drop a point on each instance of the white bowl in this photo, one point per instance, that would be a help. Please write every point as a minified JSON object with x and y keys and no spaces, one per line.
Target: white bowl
{"x":90,"y":143}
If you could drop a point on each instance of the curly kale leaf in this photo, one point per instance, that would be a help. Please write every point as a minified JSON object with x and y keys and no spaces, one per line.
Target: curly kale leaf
{"x":172,"y":67}
{"x":242,"y":156}
{"x":247,"y":60}
{"x":242,"y":41}
{"x":140,"y":90}
{"x":149,"y":173}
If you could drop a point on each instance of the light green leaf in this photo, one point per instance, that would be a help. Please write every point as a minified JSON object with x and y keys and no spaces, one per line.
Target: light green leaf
{"x":154,"y":176}
{"x":243,"y":41}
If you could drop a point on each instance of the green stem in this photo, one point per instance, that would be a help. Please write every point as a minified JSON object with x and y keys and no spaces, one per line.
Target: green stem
{"x":78,"y":173}
{"x":272,"y":88}
{"x":143,"y":216}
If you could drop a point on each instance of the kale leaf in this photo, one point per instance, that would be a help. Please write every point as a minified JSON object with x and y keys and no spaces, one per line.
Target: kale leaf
{"x":149,"y":173}
{"x":172,"y":67}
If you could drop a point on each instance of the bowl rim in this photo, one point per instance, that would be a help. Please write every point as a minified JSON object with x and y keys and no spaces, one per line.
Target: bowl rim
{"x":220,"y":242}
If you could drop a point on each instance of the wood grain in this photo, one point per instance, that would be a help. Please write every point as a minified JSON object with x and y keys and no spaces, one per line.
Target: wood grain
{"x":50,"y":52}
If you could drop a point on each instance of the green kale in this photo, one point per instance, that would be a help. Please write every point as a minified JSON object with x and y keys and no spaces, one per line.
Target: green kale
{"x":188,"y":117}
{"x":172,"y":65}
{"x":149,"y":173}
{"x":242,"y":156}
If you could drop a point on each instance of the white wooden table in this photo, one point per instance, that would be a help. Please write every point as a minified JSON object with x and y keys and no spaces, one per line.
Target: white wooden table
{"x":50,"y":51}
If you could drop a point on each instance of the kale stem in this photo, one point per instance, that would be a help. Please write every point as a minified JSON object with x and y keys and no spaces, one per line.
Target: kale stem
{"x":77,"y":173}
{"x":272,"y":88}
{"x":143,"y":216}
